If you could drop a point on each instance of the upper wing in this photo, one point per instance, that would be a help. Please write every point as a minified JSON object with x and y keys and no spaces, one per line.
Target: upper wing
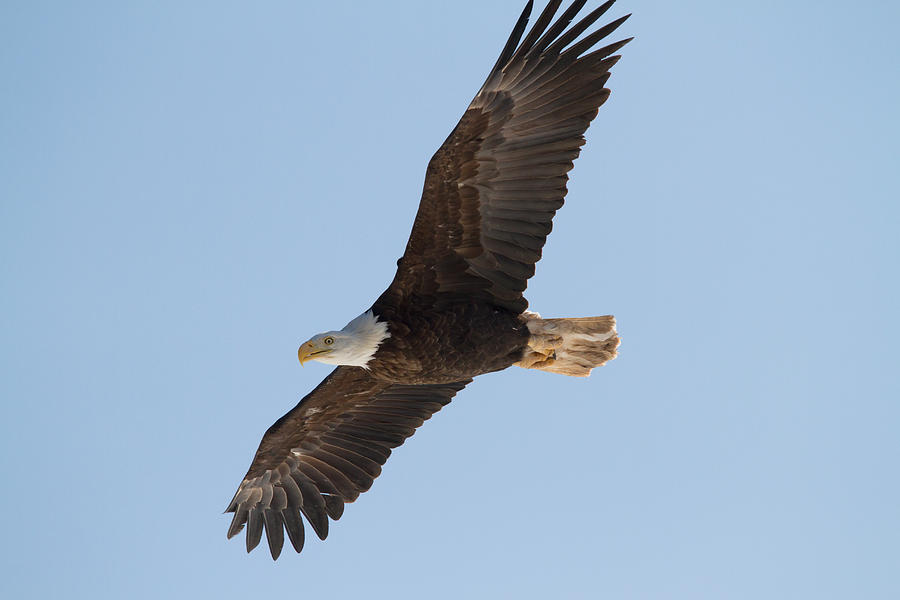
{"x":326,"y":451}
{"x":493,"y":187}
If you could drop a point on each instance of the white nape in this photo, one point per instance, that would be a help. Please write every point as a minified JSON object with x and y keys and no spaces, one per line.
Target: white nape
{"x":356,"y":343}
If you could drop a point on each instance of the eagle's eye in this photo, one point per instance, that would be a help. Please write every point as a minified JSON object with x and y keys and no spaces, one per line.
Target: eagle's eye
{"x":328,"y":341}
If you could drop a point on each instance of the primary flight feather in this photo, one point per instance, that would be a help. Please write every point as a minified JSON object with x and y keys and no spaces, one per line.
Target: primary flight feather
{"x":455,"y":308}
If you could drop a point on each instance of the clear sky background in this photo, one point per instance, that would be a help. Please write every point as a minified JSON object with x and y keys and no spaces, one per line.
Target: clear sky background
{"x":190,"y":190}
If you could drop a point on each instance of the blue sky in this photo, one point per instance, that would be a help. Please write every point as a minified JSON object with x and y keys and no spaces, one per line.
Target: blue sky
{"x":190,"y":190}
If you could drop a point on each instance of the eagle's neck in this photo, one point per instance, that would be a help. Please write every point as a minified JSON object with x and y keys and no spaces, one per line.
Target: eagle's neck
{"x":366,"y":333}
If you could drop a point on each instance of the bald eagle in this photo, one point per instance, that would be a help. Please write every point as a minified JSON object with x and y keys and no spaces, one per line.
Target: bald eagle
{"x":455,"y":308}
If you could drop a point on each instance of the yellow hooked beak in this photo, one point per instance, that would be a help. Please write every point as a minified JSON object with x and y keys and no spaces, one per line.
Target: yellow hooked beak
{"x":309,"y":351}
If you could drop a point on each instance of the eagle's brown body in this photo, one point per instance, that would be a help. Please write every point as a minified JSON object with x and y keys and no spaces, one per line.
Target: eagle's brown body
{"x":456,"y":306}
{"x":456,"y":343}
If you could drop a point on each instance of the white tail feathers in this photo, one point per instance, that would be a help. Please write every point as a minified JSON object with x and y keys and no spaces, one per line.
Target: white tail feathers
{"x":569,"y":346}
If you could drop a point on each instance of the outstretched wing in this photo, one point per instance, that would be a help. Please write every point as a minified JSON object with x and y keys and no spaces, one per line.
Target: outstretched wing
{"x":493,"y":187}
{"x":326,"y":451}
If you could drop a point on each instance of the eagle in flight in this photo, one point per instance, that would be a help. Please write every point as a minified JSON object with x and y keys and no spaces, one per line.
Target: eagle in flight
{"x":455,"y":308}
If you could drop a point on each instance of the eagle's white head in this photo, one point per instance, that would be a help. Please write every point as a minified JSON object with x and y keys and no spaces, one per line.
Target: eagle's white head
{"x":354,"y":345}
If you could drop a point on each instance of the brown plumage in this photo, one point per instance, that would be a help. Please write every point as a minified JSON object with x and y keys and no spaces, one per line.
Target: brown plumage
{"x":455,"y":308}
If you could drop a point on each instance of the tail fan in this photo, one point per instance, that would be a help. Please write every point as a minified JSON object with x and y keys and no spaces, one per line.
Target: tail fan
{"x":570,"y":346}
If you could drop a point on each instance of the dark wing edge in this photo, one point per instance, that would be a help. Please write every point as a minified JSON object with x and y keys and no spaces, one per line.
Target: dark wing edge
{"x":326,"y":451}
{"x":492,"y":189}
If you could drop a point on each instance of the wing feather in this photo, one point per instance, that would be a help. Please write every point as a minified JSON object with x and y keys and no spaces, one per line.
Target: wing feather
{"x":294,"y":527}
{"x":334,"y":506}
{"x":325,"y":452}
{"x":274,"y":530}
{"x":254,"y":528}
